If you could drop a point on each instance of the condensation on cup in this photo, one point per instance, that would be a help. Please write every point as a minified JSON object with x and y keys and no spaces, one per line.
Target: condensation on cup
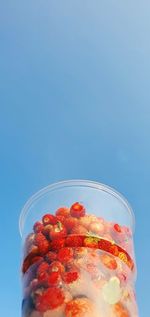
{"x":78,"y":252}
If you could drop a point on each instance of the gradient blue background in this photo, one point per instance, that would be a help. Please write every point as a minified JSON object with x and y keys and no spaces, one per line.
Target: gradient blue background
{"x":74,"y":103}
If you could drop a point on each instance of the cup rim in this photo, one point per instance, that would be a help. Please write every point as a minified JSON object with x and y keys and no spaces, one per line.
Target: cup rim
{"x":72,"y":183}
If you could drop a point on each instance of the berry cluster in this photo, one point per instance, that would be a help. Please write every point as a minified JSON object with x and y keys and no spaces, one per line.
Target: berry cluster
{"x":69,"y":257}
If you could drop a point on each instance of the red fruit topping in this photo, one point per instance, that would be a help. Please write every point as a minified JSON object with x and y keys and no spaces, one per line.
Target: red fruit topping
{"x":57,"y":244}
{"x":50,"y":257}
{"x":114,"y":250}
{"x":38,"y":227}
{"x":46,"y":230}
{"x":43,"y":278}
{"x":79,"y":229}
{"x":49,"y":219}
{"x":63,"y":211}
{"x":70,"y":277}
{"x":97,"y":227}
{"x":51,"y":298}
{"x":53,"y":278}
{"x":42,"y":243}
{"x":56,"y":266}
{"x":43,"y":267}
{"x":65,"y":254}
{"x":70,"y":223}
{"x":80,"y":307}
{"x":104,"y":245}
{"x":108,"y":261}
{"x":77,"y":210}
{"x":58,"y":231}
{"x":74,"y":241}
{"x":117,"y":228}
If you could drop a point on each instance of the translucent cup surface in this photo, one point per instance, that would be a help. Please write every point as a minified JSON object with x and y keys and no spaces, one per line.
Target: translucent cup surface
{"x":78,"y":252}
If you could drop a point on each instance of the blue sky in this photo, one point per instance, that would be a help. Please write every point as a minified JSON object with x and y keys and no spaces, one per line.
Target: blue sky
{"x":74,"y":103}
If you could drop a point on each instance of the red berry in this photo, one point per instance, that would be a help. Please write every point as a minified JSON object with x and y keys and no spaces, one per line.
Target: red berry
{"x":57,"y":244}
{"x":70,"y":277}
{"x":53,"y":278}
{"x":49,"y":219}
{"x":56,"y":266}
{"x":51,"y":298}
{"x":43,"y":278}
{"x":74,"y":241}
{"x":70,"y":223}
{"x":46,"y":230}
{"x":77,"y":210}
{"x":50,"y":257}
{"x":65,"y":254}
{"x":63,"y":211}
{"x":42,"y":243}
{"x":79,"y":229}
{"x":58,"y":231}
{"x":43,"y":267}
{"x":117,"y":228}
{"x":38,"y":227}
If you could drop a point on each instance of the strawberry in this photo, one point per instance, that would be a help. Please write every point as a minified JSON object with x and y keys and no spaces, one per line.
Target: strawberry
{"x":108,"y":261}
{"x":58,"y":231}
{"x":77,"y":210}
{"x":42,"y":243}
{"x":57,"y":244}
{"x":74,"y":241}
{"x":79,"y":229}
{"x":56,"y":266}
{"x":70,"y":223}
{"x":65,"y":254}
{"x":63,"y":211}
{"x":70,"y":277}
{"x":38,"y":227}
{"x":53,"y":278}
{"x":51,"y":298}
{"x":43,"y":278}
{"x":46,"y":230}
{"x":61,"y":218}
{"x":50,"y":257}
{"x":49,"y":219}
{"x":43,"y":267}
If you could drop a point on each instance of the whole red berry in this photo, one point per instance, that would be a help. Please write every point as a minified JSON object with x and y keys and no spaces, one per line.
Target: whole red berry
{"x":43,"y":278}
{"x":57,"y":244}
{"x":38,"y":227}
{"x":56,"y":266}
{"x":65,"y":254}
{"x":49,"y":219}
{"x":43,"y":267}
{"x":42,"y":243}
{"x":53,"y":278}
{"x":70,"y":277}
{"x":51,"y":298}
{"x":50,"y":257}
{"x":63,"y":211}
{"x":58,"y":231}
{"x":77,"y":210}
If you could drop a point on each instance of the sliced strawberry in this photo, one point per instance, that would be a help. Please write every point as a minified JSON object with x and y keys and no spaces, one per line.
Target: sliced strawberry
{"x":57,"y":244}
{"x":77,"y":210}
{"x":42,"y":243}
{"x":43,"y":267}
{"x":53,"y":278}
{"x":56,"y":266}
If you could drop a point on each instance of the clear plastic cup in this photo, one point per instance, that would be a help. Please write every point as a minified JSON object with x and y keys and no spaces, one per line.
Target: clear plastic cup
{"x":78,"y":252}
